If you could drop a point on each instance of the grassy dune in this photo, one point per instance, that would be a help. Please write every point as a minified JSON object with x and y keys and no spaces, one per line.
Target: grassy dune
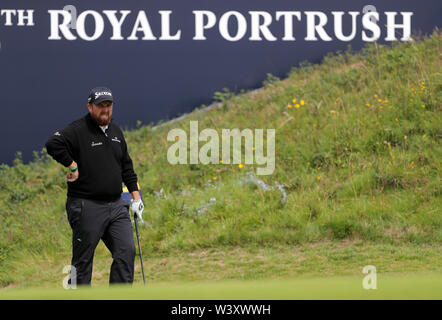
{"x":358,"y":158}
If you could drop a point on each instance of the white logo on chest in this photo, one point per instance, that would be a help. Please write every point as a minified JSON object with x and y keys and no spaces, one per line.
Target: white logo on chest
{"x":94,"y":144}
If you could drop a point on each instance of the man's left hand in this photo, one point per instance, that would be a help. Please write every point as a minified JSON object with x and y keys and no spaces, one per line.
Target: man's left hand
{"x":137,"y":207}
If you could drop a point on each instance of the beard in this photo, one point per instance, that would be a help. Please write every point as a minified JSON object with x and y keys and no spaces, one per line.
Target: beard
{"x":102,"y":119}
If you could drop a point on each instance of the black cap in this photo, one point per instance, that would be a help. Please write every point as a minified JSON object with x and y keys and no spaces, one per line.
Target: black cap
{"x":100,"y":94}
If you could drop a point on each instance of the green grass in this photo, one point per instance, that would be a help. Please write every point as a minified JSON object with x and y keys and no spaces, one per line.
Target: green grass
{"x":358,"y":163}
{"x":397,"y":287}
{"x":337,"y":258}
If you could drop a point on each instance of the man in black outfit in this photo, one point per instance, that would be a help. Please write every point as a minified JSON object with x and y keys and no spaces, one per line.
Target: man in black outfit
{"x":95,"y":151}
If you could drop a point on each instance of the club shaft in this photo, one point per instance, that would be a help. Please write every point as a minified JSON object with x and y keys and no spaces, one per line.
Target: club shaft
{"x":139,"y":248}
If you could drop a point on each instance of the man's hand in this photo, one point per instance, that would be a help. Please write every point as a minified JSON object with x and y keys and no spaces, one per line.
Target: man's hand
{"x":72,"y":175}
{"x":137,"y":207}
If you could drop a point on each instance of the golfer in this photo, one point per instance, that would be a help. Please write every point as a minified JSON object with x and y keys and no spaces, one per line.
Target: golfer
{"x":94,"y":150}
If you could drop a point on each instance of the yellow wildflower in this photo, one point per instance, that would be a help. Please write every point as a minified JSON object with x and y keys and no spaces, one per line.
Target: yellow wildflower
{"x":302,"y":102}
{"x":240,"y":166}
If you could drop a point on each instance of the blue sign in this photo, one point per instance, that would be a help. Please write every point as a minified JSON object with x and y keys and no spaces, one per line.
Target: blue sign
{"x":164,"y":58}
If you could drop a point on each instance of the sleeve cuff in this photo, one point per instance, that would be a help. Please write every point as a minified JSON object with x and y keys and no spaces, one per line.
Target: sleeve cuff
{"x":66,"y":162}
{"x":132,"y":187}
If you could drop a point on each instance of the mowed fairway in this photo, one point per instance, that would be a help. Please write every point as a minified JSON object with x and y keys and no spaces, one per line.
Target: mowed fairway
{"x":409,"y":286}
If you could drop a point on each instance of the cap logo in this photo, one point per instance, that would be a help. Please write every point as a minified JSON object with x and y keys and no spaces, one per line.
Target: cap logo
{"x":102,"y":93}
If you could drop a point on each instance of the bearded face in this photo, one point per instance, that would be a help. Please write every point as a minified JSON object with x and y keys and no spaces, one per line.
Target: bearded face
{"x":102,"y":112}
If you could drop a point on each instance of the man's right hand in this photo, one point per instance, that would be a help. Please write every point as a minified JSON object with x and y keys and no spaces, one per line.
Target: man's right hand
{"x":72,"y":175}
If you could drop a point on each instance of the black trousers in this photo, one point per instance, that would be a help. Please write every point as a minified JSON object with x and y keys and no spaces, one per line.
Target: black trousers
{"x":109,"y":221}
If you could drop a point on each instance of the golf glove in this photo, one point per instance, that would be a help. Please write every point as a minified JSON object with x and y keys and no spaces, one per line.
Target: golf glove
{"x":137,"y":207}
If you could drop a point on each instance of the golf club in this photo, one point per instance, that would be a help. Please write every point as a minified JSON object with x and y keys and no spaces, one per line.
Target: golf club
{"x":139,"y":247}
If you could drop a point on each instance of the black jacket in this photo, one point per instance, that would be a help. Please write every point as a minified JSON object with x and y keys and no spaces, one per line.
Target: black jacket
{"x":103,"y":161}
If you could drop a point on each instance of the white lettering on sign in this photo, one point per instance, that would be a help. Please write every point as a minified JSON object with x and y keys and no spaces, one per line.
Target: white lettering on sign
{"x":24,"y":17}
{"x":70,"y":24}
